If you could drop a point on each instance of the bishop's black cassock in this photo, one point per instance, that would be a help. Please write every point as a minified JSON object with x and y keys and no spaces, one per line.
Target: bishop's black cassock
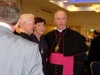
{"x":67,"y":43}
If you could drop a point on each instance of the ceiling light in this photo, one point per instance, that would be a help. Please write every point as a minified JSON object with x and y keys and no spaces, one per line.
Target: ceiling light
{"x":65,"y":1}
{"x":74,"y":5}
{"x":96,"y":7}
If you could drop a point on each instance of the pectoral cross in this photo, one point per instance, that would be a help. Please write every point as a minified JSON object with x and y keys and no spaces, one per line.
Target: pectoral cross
{"x":42,"y":51}
{"x":56,"y":48}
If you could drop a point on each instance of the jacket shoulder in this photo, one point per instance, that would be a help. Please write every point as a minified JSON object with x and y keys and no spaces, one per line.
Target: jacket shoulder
{"x":23,"y":42}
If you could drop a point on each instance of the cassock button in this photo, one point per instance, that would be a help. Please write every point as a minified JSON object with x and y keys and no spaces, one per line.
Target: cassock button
{"x":59,"y":38}
{"x":55,"y":72}
{"x":58,"y":41}
{"x":56,"y":65}
{"x":56,"y":69}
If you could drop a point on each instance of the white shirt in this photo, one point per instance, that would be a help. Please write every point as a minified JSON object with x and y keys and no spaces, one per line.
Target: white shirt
{"x":5,"y":25}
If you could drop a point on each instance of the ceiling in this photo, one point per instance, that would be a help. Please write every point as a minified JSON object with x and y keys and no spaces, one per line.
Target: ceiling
{"x":78,"y":5}
{"x":45,"y":4}
{"x":53,"y":7}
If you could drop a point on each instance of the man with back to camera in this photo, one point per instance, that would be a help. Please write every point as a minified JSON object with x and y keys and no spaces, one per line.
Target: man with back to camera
{"x":94,"y":52}
{"x":66,"y":48}
{"x":17,"y":55}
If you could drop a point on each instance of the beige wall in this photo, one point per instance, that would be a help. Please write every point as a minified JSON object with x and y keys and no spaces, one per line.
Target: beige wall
{"x":82,"y":22}
{"x":49,"y":27}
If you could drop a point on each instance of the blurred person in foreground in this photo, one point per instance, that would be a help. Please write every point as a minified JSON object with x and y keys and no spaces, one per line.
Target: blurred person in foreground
{"x":26,"y":25}
{"x":17,"y":55}
{"x":39,"y":38}
{"x":66,"y":48}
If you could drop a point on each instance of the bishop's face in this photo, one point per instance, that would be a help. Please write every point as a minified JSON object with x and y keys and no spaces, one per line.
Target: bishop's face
{"x":60,"y":20}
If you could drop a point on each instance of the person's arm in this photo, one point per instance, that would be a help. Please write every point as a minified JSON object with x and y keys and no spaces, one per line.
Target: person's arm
{"x":33,"y":62}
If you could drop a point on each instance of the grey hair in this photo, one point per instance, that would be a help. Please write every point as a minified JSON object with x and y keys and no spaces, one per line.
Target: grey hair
{"x":25,"y":17}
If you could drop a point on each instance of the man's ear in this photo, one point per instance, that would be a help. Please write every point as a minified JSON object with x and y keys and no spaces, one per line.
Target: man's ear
{"x":17,"y":23}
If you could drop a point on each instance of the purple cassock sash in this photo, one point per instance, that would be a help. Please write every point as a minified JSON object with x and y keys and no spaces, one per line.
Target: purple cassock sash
{"x":66,"y":61}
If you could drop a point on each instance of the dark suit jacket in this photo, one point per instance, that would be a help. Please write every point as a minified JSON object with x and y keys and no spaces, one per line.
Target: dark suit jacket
{"x":94,"y":53}
{"x":42,"y":44}
{"x":24,"y":35}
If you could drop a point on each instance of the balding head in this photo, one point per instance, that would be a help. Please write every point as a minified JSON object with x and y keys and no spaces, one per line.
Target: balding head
{"x":59,"y":12}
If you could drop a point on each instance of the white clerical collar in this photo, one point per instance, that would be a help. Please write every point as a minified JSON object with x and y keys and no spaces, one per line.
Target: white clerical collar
{"x":61,"y":29}
{"x":5,"y":25}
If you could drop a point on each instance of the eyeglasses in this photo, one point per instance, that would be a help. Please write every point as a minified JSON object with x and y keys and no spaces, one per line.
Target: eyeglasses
{"x":31,"y":22}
